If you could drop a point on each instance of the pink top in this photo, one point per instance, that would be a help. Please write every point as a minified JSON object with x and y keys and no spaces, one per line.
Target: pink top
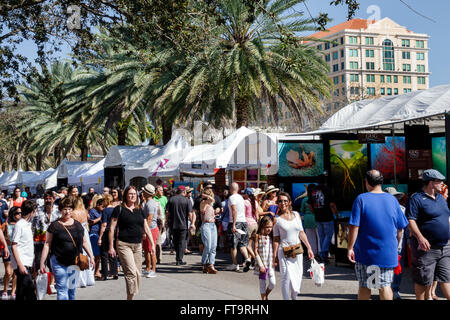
{"x":208,"y":214}
{"x":249,"y":214}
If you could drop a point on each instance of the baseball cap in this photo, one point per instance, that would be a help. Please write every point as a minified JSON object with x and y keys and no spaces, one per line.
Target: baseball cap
{"x":249,"y":191}
{"x":432,"y":174}
{"x":181,"y":188}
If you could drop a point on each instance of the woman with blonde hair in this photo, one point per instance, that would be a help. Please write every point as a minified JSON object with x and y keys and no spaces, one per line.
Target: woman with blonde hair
{"x":108,"y":263}
{"x":208,"y":231}
{"x":80,"y":214}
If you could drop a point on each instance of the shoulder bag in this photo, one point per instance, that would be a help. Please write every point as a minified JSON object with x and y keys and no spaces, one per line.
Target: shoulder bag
{"x":293,"y":250}
{"x":81,"y":260}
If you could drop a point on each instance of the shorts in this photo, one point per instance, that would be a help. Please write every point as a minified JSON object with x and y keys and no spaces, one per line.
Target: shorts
{"x":146,"y":243}
{"x":370,"y":279}
{"x":237,"y":240}
{"x":431,"y":265}
{"x":252,"y":229}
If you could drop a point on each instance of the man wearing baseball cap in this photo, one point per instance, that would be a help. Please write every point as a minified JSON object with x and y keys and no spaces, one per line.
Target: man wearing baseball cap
{"x":428,"y":216}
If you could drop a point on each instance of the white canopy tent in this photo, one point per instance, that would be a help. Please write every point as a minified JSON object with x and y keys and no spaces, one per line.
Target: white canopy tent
{"x":93,"y":177}
{"x":9,"y":180}
{"x":391,"y":110}
{"x":129,"y":156}
{"x":72,"y":170}
{"x":244,"y":148}
{"x":164,"y":161}
{"x":33,"y":179}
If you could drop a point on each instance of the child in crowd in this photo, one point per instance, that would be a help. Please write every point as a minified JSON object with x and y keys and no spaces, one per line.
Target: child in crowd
{"x":264,"y":257}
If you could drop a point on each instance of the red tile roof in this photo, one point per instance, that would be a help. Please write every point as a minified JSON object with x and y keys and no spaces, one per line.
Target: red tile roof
{"x":351,"y":24}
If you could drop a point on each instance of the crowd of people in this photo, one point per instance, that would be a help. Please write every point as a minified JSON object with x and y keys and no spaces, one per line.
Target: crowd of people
{"x":123,"y":230}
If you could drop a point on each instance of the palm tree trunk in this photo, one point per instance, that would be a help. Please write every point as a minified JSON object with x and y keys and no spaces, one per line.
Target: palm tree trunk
{"x":122,"y":131}
{"x":39,"y":161}
{"x":241,"y":111}
{"x":166,"y":129}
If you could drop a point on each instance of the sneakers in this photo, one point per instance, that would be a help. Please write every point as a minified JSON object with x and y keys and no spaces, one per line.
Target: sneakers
{"x":397,"y":296}
{"x":247,"y":265}
{"x":233,"y":267}
{"x":13,"y":297}
{"x":52,"y":289}
{"x":151,"y":274}
{"x":5,"y":296}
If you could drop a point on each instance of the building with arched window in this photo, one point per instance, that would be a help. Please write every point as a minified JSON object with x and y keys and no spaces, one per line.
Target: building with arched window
{"x":377,"y":58}
{"x":388,"y":55}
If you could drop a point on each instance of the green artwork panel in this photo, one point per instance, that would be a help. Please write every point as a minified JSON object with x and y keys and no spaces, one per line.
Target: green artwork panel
{"x":349,"y":163}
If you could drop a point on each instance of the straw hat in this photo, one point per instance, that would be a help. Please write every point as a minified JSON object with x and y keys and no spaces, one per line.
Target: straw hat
{"x":149,"y":189}
{"x":189,"y":189}
{"x":271,"y":188}
{"x":393,"y":191}
{"x":258,"y":191}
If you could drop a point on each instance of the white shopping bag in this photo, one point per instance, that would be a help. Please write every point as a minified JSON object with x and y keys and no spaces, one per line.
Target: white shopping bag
{"x":90,"y":281}
{"x":41,"y":285}
{"x":317,"y":272}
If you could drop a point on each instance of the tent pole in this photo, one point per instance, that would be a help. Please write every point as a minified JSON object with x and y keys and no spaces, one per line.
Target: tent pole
{"x":395,"y":156}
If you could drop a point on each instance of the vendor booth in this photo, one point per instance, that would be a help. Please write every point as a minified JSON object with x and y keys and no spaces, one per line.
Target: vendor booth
{"x":9,"y":181}
{"x":245,"y":156}
{"x":163,"y":164}
{"x":34,"y":180}
{"x":93,"y":177}
{"x":69,"y":172}
{"x":119,"y":158}
{"x":401,"y":136}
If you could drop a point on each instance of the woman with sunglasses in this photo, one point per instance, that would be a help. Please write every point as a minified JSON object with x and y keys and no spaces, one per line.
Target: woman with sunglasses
{"x":286,"y":232}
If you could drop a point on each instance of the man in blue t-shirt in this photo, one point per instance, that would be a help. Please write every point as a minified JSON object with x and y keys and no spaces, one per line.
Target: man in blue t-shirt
{"x":375,"y":228}
{"x":428,"y":215}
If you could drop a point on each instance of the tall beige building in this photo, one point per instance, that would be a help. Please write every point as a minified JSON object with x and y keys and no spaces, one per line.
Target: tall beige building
{"x":367,"y":59}
{"x":371,"y":59}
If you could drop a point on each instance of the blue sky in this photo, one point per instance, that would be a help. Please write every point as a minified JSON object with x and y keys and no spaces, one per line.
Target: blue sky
{"x":437,"y":10}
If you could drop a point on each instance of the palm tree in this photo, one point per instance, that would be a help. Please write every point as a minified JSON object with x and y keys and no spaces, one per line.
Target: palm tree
{"x":246,"y":60}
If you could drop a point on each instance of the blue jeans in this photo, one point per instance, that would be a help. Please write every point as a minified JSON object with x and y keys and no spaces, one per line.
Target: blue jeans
{"x":66,"y":278}
{"x":209,"y":239}
{"x":326,"y":230}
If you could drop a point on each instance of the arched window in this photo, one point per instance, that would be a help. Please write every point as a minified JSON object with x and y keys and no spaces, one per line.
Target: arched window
{"x":388,"y":55}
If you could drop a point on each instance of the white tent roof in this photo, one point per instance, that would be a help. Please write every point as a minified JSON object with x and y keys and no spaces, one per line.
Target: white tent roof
{"x":94,"y":173}
{"x":389,"y":110}
{"x":164,"y":161}
{"x":9,"y":181}
{"x":73,"y":169}
{"x":129,"y":156}
{"x":244,"y":148}
{"x":33,"y":178}
{"x":51,"y":181}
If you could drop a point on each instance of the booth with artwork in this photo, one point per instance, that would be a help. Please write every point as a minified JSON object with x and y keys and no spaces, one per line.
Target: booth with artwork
{"x":401,"y":136}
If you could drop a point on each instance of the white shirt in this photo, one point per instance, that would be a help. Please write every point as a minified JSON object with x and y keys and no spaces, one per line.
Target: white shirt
{"x":23,"y":236}
{"x":237,"y":201}
{"x":288,"y":230}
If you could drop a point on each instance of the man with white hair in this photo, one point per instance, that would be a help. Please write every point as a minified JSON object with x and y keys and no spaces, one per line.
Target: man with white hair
{"x":237,"y":233}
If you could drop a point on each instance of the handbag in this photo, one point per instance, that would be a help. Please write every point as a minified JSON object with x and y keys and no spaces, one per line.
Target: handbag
{"x":293,"y":250}
{"x":81,"y":260}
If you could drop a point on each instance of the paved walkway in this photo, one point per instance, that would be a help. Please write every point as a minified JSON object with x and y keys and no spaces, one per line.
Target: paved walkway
{"x":189,"y":283}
